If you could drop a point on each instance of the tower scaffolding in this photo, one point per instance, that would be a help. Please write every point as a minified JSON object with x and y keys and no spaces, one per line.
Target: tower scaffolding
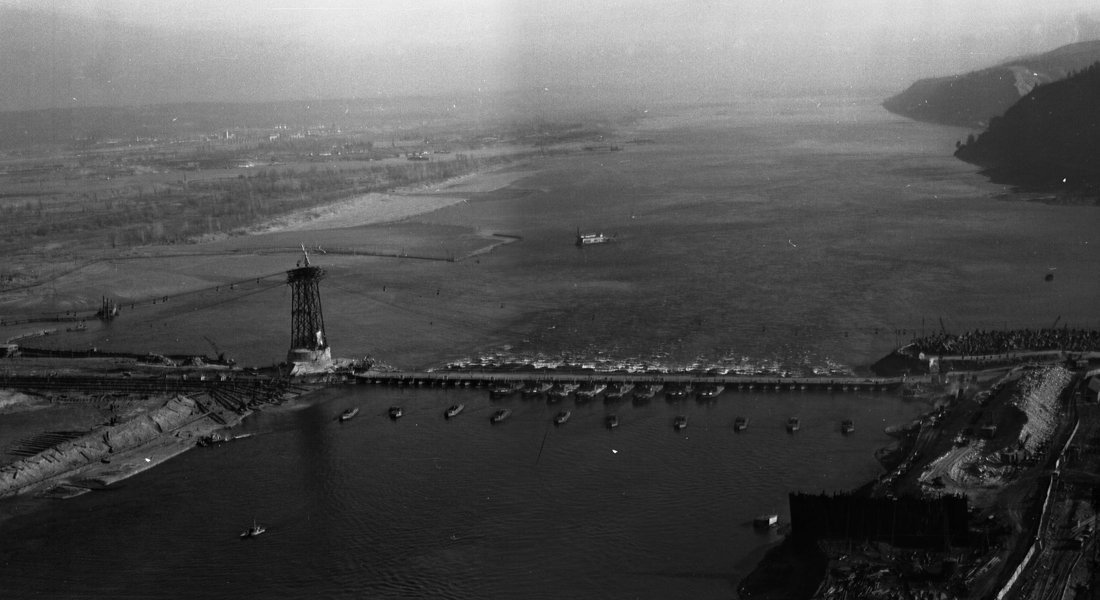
{"x":308,"y":342}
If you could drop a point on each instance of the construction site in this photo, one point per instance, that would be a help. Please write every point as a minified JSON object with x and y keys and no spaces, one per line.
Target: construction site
{"x":991,"y":494}
{"x":1014,"y":448}
{"x":95,"y":389}
{"x":152,"y":407}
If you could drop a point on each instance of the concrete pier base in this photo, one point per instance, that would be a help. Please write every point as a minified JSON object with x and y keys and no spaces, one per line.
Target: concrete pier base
{"x":304,"y":360}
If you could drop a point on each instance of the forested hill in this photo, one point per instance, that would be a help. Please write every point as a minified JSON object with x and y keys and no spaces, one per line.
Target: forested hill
{"x":1049,"y":139}
{"x":972,"y":99}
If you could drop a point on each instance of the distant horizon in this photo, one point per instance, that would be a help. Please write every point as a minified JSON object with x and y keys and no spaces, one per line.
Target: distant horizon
{"x":717,"y":98}
{"x":106,"y":53}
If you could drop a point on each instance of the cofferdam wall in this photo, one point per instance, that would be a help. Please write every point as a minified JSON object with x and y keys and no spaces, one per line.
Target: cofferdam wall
{"x":906,"y":521}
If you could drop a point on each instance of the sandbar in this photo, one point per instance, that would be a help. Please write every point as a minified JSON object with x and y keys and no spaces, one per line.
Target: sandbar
{"x":387,"y":207}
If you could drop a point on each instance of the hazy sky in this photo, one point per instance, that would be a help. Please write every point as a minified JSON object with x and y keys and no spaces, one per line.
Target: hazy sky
{"x":697,"y":47}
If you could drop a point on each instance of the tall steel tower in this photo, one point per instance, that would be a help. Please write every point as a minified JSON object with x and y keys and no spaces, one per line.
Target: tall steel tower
{"x":308,"y":343}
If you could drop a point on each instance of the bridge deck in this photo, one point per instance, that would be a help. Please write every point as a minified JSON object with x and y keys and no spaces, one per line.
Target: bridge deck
{"x":476,"y":378}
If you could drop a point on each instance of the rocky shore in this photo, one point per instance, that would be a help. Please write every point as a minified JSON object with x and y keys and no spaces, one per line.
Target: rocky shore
{"x":988,"y":437}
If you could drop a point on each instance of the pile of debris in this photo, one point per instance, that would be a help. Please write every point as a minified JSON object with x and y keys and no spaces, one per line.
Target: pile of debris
{"x":1037,"y":395}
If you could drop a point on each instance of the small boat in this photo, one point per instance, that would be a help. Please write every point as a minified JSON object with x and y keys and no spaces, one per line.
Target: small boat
{"x":560,"y":391}
{"x":617,"y":391}
{"x":210,"y":440}
{"x":500,"y":415}
{"x":588,"y":392}
{"x":253,"y":531}
{"x":562,"y":417}
{"x":710,"y":392}
{"x":589,"y":239}
{"x":765,"y":521}
{"x":847,"y":426}
{"x":793,"y":425}
{"x":677,"y":391}
{"x":611,"y":421}
{"x":396,"y":412}
{"x":535,"y":389}
{"x":645,"y":392}
{"x":504,"y":389}
{"x":740,"y":424}
{"x":679,"y":422}
{"x":453,"y":410}
{"x":349,"y":413}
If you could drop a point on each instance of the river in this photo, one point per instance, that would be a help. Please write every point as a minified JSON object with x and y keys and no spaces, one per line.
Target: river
{"x":788,"y":234}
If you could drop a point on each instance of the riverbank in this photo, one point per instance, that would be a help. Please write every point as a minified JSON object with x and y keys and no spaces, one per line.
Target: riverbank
{"x":785,"y":572}
{"x":368,"y":235}
{"x":988,"y":437}
{"x":88,"y":425}
{"x":388,"y":207}
{"x":106,"y":454}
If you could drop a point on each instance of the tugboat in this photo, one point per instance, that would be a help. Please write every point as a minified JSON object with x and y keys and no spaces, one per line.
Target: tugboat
{"x":677,"y":391}
{"x":617,"y":391}
{"x":710,"y":392}
{"x":560,"y":391}
{"x":562,"y":417}
{"x":253,"y":531}
{"x":740,"y":424}
{"x":645,"y":392}
{"x":793,"y":424}
{"x":611,"y":421}
{"x":500,"y":415}
{"x":535,"y":389}
{"x":454,"y":410}
{"x":349,"y":413}
{"x":679,"y":422}
{"x":504,"y":389}
{"x":210,"y":440}
{"x":590,"y":391}
{"x":396,"y":412}
{"x":847,"y":427}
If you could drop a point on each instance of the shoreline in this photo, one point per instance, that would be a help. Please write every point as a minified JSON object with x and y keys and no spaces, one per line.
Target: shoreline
{"x":777,"y":560}
{"x":153,"y":430}
{"x":908,"y":464}
{"x":108,"y":454}
{"x":374,"y":208}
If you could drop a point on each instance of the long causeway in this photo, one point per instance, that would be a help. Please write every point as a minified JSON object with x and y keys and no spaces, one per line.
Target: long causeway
{"x":731,"y":382}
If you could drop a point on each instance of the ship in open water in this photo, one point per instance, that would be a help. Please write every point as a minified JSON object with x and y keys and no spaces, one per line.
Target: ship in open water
{"x":589,"y":239}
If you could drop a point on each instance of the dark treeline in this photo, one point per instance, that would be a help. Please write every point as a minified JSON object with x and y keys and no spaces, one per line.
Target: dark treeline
{"x":162,"y":213}
{"x":1050,"y":139}
{"x":972,"y":99}
{"x":979,"y":342}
